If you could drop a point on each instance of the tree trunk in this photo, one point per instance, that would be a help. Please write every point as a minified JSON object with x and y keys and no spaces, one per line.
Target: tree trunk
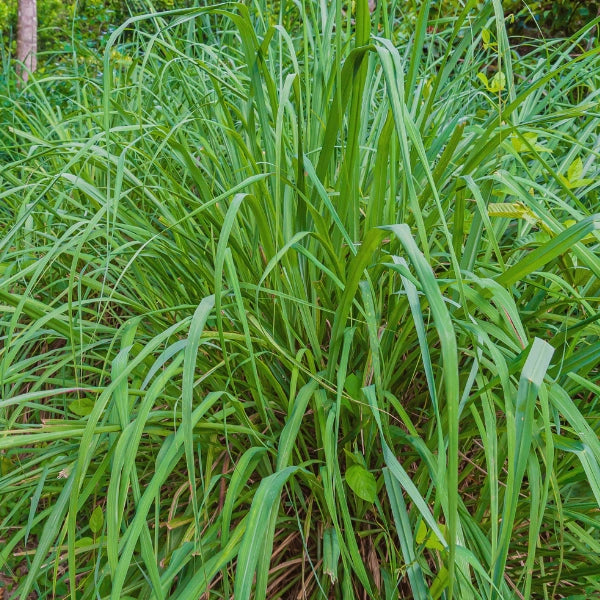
{"x":26,"y":38}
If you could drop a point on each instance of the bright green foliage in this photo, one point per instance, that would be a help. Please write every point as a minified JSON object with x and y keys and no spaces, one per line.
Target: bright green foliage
{"x":361,"y":482}
{"x":61,"y":25}
{"x":295,"y":305}
{"x":53,"y":16}
{"x":552,"y":17}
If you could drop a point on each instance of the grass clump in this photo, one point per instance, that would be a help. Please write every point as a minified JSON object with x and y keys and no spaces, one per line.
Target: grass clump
{"x":295,"y":307}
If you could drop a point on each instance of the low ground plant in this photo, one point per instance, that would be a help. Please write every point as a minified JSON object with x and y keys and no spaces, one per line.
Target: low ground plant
{"x":293,"y":305}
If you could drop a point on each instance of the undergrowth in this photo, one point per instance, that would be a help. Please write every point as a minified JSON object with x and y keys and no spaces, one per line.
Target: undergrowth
{"x":295,"y":306}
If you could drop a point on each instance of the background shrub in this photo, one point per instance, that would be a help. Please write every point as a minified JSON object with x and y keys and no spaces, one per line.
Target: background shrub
{"x":556,"y":18}
{"x":89,"y":22}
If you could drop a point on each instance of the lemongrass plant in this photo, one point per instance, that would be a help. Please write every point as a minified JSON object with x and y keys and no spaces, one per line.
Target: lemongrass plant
{"x":297,"y":306}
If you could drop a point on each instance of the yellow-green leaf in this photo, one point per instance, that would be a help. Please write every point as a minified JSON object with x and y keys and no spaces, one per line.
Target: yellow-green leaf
{"x":530,"y":139}
{"x":590,"y":237}
{"x":431,"y":541}
{"x":486,"y":39}
{"x":508,"y":210}
{"x":512,"y":210}
{"x":575,"y":171}
{"x":177,"y":522}
{"x":484,"y":79}
{"x":440,"y":583}
{"x":498,"y":82}
{"x":582,"y":183}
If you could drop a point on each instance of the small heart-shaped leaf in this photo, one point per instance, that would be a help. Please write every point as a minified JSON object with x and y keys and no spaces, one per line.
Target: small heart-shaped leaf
{"x":431,"y":541}
{"x":81,"y":406}
{"x":361,"y":482}
{"x":498,"y":83}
